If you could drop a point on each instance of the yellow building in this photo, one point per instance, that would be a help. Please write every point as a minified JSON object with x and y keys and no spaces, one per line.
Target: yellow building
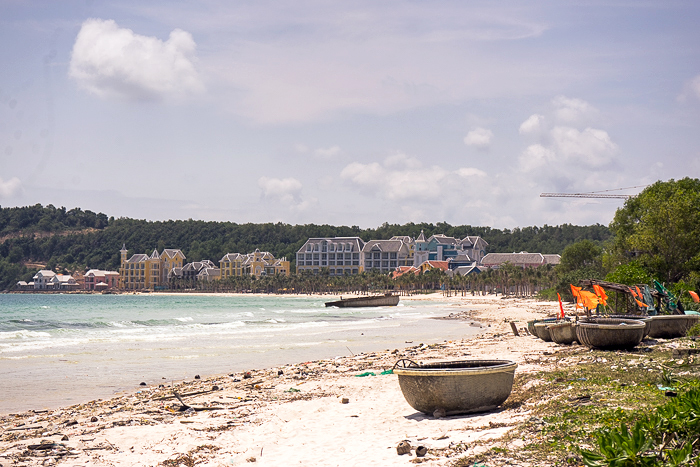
{"x":231,"y":265}
{"x":147,"y":272}
{"x":259,"y":263}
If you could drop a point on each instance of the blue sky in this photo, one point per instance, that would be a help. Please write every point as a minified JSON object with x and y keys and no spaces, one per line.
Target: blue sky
{"x":353,"y":113}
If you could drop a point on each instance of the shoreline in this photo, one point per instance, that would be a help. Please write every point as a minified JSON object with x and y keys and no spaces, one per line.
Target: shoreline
{"x":291,"y":412}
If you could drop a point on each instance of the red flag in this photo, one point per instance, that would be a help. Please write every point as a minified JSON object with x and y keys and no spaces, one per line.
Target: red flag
{"x":561,"y":307}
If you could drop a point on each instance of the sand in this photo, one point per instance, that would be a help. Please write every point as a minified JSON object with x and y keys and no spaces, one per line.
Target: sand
{"x":310,"y":413}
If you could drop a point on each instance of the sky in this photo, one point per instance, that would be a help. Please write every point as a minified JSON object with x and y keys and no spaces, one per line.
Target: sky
{"x":346,"y":113}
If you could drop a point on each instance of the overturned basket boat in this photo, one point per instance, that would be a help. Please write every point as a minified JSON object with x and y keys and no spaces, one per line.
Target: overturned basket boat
{"x":457,"y":387}
{"x":610,"y":333}
{"x":671,"y":326}
{"x":562,"y":332}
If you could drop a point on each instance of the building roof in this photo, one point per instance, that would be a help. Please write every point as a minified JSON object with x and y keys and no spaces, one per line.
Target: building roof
{"x":172,"y":253}
{"x":356,"y":243}
{"x":517,"y":259}
{"x":383,"y":245}
{"x":44,"y":273}
{"x":421,"y":237}
{"x":137,"y":258}
{"x":433,"y":264}
{"x":401,"y":270}
{"x":552,"y":259}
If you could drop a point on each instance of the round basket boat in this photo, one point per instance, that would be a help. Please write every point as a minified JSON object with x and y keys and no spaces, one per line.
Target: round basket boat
{"x":531,"y":324}
{"x":542,"y":332}
{"x":646,"y":319}
{"x":610,"y":333}
{"x":562,"y":333}
{"x":670,"y":326}
{"x":457,"y":387}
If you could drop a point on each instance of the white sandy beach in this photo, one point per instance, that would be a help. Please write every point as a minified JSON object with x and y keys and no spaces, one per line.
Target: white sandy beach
{"x":292,"y":415}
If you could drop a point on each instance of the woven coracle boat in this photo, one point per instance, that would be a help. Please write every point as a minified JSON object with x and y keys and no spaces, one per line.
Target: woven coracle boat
{"x":610,"y":333}
{"x":646,"y":319}
{"x":562,"y":333}
{"x":457,"y":387}
{"x":531,"y":324}
{"x":542,"y":332}
{"x":671,"y":326}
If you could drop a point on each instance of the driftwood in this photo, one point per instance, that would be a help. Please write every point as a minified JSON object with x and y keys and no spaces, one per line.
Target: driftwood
{"x":196,"y":409}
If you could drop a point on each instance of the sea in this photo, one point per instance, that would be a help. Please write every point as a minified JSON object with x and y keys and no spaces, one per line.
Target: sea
{"x":58,"y":350}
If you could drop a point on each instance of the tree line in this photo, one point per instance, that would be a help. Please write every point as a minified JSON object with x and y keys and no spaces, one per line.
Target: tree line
{"x":654,"y":236}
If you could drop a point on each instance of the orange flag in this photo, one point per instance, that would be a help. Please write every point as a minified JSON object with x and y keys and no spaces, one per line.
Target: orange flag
{"x":576,"y":291}
{"x":642,"y":304}
{"x":632,"y":292}
{"x":696,"y":299}
{"x":602,"y":296}
{"x":589,"y":299}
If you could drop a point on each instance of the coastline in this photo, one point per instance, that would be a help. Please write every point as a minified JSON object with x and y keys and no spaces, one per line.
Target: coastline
{"x":291,"y":414}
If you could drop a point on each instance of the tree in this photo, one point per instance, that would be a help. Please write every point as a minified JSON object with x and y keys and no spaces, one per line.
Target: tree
{"x":660,"y":228}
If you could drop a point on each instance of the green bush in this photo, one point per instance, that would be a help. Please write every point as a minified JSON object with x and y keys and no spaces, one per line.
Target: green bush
{"x":667,"y":438}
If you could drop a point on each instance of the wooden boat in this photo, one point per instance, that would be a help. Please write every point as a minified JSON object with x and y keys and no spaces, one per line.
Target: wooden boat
{"x":388,"y":299}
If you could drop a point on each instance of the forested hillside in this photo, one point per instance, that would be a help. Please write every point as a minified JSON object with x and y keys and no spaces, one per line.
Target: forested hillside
{"x":76,"y":239}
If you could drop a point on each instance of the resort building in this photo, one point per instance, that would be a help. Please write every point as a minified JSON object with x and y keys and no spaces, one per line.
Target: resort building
{"x":44,"y":279}
{"x":96,"y":279}
{"x":440,"y":247}
{"x":142,"y":271}
{"x":522,"y":259}
{"x":387,"y":255}
{"x":258,"y":263}
{"x":340,"y":255}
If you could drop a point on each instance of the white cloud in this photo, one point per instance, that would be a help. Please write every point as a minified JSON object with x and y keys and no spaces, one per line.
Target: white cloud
{"x":479,"y":137}
{"x":401,"y":177}
{"x":468,"y":172}
{"x":301,"y":148}
{"x":535,"y":157}
{"x":110,"y":61}
{"x":533,"y":124}
{"x":10,"y":188}
{"x":287,"y":190}
{"x":363,"y":174}
{"x":591,"y":147}
{"x":570,"y":110}
{"x":327,"y":153}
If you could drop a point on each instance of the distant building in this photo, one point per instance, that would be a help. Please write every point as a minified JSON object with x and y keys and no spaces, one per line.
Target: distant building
{"x":97,"y":279}
{"x":340,"y":255}
{"x":440,"y":247}
{"x":258,"y":263}
{"x":386,"y":255}
{"x":522,"y":259}
{"x":142,"y":271}
{"x":43,"y":279}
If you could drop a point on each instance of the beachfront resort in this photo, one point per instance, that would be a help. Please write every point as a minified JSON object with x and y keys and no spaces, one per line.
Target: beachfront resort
{"x":336,"y":256}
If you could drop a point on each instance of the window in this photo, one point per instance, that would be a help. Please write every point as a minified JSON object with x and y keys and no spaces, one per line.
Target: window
{"x":324,"y":256}
{"x":340,"y":247}
{"x":385,"y":264}
{"x":348,"y":256}
{"x":331,"y":256}
{"x":355,"y":256}
{"x":385,"y":255}
{"x":392,"y":255}
{"x":392,"y":264}
{"x":376,"y":255}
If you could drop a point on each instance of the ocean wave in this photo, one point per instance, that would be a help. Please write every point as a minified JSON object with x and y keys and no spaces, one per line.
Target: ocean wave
{"x":185,"y":319}
{"x":24,"y":334}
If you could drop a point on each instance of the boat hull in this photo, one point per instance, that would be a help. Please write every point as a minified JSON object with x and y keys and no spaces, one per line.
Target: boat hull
{"x":377,"y":300}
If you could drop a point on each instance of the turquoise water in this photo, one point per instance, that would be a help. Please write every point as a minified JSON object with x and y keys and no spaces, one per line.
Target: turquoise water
{"x":63,"y":349}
